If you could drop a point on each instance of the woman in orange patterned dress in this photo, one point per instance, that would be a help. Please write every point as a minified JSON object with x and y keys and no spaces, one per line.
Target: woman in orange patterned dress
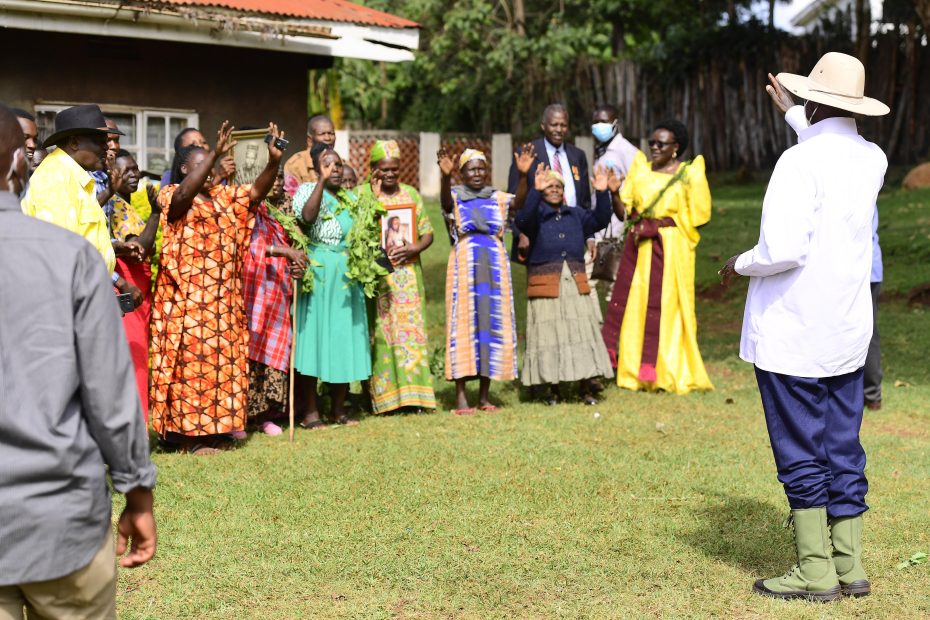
{"x":200,"y":372}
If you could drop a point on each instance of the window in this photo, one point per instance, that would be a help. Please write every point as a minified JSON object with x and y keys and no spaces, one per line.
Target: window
{"x":149,"y":132}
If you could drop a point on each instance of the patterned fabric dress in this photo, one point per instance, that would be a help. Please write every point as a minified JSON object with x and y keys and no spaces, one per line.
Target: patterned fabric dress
{"x":200,"y":335}
{"x":400,"y":375}
{"x":124,"y":224}
{"x":481,"y":335}
{"x":267,"y":289}
{"x":332,"y":321}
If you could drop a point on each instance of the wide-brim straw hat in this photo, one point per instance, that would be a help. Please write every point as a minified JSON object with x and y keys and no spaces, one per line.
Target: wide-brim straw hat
{"x":838,"y":80}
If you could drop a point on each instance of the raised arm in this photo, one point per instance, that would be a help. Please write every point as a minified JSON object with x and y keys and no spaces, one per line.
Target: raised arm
{"x":311,"y":208}
{"x":528,"y":216}
{"x":184,"y":195}
{"x":522,"y":161}
{"x":265,"y":180}
{"x":446,"y":166}
{"x":614,"y":183}
{"x":599,"y":218}
{"x":147,"y":237}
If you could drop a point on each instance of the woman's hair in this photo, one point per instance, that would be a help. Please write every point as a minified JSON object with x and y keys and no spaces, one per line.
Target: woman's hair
{"x":175,"y":164}
{"x":678,"y":130}
{"x":180,"y":158}
{"x":317,"y":152}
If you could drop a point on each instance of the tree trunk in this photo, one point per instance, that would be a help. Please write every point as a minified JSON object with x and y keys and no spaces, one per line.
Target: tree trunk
{"x":771,"y":15}
{"x":519,"y":17}
{"x":923,"y":10}
{"x":863,"y":27}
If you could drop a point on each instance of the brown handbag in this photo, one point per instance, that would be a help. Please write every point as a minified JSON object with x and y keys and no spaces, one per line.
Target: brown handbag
{"x":607,"y":260}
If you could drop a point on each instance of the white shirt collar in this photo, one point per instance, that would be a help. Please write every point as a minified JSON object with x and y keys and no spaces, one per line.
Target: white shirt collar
{"x":837,"y":125}
{"x":553,"y":148}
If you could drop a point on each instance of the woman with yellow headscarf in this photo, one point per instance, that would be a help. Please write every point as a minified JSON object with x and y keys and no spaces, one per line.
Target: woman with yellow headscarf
{"x":481,"y":335}
{"x":400,"y":373}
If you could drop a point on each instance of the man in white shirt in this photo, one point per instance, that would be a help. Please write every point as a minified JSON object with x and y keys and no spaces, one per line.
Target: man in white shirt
{"x":808,"y":322}
{"x":611,"y":149}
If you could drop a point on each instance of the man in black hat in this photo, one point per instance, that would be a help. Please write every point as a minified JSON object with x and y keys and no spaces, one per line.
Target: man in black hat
{"x":62,"y":191}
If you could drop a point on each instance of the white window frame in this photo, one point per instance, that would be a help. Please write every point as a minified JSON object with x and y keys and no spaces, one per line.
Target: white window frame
{"x":143,"y":115}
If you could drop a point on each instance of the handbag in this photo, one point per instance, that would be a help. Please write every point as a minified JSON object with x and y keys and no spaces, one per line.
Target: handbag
{"x":610,"y":249}
{"x":607,"y":260}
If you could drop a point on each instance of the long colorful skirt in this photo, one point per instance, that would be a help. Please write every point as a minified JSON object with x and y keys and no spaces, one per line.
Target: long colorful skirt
{"x":136,"y":324}
{"x":400,"y":375}
{"x":481,"y":335}
{"x":563,"y":337}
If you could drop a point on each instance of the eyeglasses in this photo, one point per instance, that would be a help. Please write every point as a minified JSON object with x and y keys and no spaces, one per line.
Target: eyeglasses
{"x":661,"y":144}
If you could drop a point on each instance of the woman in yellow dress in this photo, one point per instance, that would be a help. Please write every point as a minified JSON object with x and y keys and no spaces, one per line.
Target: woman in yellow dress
{"x":650,"y":327}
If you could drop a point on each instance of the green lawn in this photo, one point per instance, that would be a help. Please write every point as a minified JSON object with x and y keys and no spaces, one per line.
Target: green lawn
{"x":661,"y":506}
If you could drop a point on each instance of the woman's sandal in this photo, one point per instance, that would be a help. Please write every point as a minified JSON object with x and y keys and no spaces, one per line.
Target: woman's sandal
{"x":489,"y":408}
{"x":312,"y":425}
{"x":465,"y":411}
{"x":345,"y":420}
{"x":200,"y":449}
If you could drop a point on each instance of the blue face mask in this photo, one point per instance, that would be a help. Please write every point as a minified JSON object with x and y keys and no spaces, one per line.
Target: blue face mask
{"x":603,"y":132}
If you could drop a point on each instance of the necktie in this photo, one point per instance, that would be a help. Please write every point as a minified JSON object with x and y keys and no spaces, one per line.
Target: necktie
{"x":557,"y":162}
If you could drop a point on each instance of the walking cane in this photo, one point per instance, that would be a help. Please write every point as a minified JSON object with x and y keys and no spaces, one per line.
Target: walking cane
{"x":290,"y":396}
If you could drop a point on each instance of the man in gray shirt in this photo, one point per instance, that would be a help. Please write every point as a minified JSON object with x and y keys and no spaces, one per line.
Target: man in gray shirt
{"x":69,"y":413}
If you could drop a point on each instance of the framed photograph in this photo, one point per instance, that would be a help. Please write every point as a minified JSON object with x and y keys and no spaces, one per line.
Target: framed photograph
{"x":398,"y":227}
{"x":250,"y":154}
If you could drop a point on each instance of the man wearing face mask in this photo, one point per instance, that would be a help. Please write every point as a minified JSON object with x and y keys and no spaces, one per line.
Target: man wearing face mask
{"x":808,"y":323}
{"x":615,"y":152}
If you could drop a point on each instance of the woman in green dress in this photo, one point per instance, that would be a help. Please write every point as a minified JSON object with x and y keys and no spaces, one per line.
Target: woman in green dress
{"x":400,"y":357}
{"x":331,"y":322}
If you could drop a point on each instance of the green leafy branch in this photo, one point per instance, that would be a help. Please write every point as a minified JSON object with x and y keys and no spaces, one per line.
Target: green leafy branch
{"x":364,"y":241}
{"x":299,"y":241}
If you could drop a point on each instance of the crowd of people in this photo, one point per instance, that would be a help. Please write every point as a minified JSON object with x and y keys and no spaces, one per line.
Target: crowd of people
{"x":310,"y":271}
{"x":309,"y":277}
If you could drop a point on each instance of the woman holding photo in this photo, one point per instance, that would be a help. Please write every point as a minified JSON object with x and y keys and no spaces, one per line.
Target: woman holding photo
{"x":400,"y":376}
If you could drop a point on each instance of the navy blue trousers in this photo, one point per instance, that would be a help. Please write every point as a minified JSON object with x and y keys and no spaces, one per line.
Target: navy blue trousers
{"x":814,"y":431}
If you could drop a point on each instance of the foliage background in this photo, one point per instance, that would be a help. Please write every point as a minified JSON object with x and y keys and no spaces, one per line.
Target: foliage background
{"x":488,"y":66}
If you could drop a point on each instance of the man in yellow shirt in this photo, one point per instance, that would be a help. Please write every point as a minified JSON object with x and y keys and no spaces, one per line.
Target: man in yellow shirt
{"x":61,"y":190}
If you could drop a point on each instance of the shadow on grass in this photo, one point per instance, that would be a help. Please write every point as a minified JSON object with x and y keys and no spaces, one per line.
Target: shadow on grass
{"x":745,"y":533}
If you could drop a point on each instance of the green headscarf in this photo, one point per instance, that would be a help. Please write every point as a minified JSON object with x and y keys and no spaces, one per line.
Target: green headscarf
{"x":384,"y":149}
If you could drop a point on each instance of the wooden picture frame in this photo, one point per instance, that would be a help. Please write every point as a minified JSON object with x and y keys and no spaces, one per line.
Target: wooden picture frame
{"x":250,"y":155}
{"x":399,"y":226}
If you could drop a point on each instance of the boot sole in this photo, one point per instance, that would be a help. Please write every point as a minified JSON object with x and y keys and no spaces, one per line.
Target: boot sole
{"x":826,"y":596}
{"x":857,"y":589}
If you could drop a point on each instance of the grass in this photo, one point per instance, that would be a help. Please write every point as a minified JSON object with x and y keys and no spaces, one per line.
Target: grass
{"x":663,"y":506}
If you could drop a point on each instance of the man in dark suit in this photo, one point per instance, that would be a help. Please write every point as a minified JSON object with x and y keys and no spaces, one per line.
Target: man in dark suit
{"x":565,"y":158}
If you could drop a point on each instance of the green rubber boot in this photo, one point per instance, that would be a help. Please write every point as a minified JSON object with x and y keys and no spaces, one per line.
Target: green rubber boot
{"x":813,"y":578}
{"x":846,"y":534}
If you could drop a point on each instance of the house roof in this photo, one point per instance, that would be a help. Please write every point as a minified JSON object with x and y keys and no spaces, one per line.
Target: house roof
{"x":326,"y":10}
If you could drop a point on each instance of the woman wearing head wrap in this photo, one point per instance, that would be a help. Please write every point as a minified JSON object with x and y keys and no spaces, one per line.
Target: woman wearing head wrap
{"x":650,"y":328}
{"x":400,"y":374}
{"x":481,"y":335}
{"x":563,"y":339}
